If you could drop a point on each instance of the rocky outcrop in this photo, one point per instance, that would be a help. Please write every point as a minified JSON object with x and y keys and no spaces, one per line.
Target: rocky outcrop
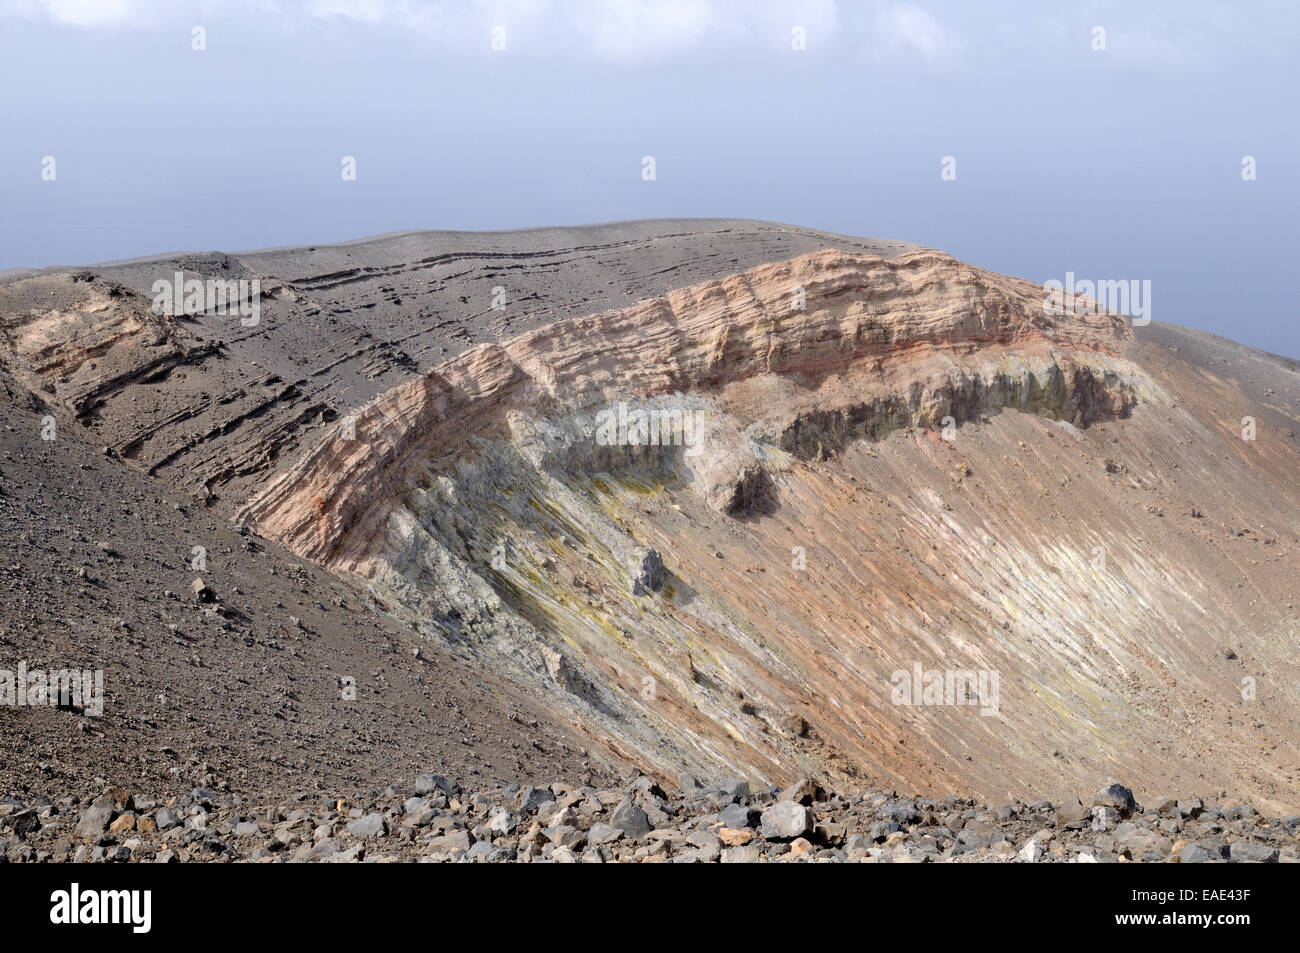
{"x":721,"y":821}
{"x":505,"y":500}
{"x":927,"y":334}
{"x":867,"y":481}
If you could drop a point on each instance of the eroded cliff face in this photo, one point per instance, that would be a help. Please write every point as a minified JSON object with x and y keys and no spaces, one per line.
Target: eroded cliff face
{"x":176,"y":395}
{"x":820,"y":350}
{"x":851,"y":468}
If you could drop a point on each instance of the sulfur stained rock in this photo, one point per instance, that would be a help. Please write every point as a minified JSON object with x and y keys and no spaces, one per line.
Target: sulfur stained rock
{"x":650,"y":576}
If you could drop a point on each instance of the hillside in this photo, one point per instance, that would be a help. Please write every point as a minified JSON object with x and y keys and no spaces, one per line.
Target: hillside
{"x":394,"y":462}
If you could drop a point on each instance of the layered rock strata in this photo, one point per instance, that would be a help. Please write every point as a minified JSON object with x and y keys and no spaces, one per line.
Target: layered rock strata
{"x":862,"y":345}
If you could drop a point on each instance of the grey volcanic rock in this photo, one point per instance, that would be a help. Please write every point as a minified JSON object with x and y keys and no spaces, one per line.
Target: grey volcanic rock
{"x":602,"y":833}
{"x":372,"y":825}
{"x":630,"y":819}
{"x":650,"y":576}
{"x":786,"y":820}
{"x":1072,"y":813}
{"x":430,"y":783}
{"x":531,"y":798}
{"x":608,"y":825}
{"x":731,"y":789}
{"x":1116,"y":796}
{"x":95,"y":820}
{"x":1197,"y":854}
{"x":1245,"y":852}
{"x":737,"y":816}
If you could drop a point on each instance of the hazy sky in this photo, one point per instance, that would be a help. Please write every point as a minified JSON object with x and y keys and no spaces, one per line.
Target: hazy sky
{"x":1117,"y":163}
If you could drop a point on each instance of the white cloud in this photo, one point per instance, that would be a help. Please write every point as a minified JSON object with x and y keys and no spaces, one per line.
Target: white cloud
{"x":128,"y":14}
{"x":368,"y":11}
{"x":905,"y":34}
{"x":632,"y":30}
{"x":902,"y":34}
{"x":620,"y":31}
{"x":73,"y":12}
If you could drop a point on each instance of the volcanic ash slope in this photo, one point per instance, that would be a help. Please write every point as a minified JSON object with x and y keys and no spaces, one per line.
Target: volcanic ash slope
{"x":880,"y":465}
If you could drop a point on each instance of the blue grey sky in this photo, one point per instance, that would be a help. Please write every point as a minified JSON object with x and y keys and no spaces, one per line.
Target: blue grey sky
{"x":1122,"y":162}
